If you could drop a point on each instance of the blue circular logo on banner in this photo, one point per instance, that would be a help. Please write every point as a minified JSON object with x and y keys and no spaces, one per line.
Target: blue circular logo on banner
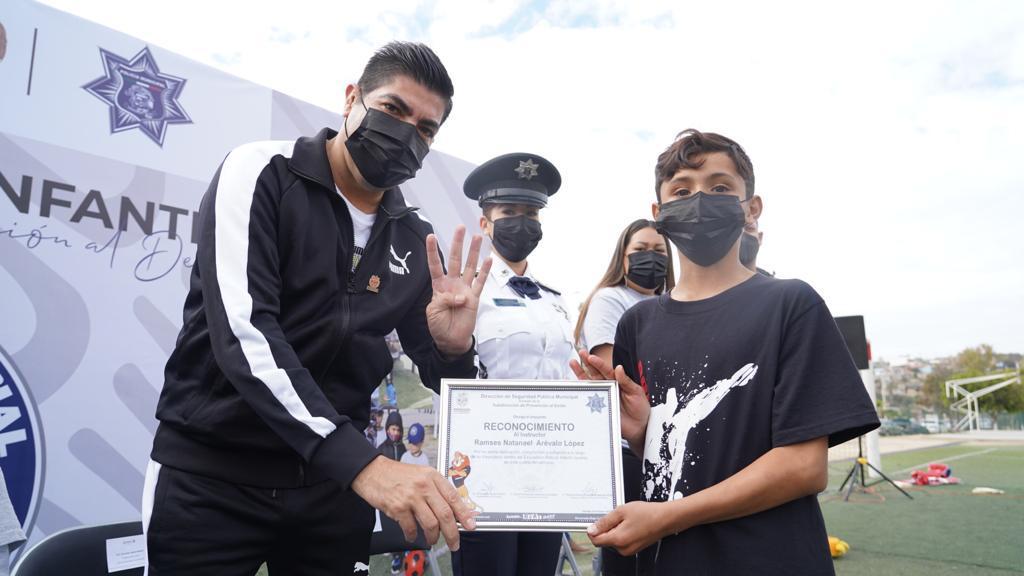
{"x":21,"y":444}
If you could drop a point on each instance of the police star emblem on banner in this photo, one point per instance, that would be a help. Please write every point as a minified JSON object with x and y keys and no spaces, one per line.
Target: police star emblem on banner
{"x":596,"y":403}
{"x":139,"y":95}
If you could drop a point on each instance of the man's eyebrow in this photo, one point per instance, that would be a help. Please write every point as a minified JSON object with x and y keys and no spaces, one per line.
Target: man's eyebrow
{"x":722,"y":175}
{"x":406,"y":110}
{"x":395,"y":99}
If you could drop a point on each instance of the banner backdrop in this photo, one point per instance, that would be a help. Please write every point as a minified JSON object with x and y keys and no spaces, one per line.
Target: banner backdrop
{"x":106,"y":148}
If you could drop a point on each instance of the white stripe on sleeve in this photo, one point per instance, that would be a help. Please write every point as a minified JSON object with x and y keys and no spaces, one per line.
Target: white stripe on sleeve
{"x":235,"y":192}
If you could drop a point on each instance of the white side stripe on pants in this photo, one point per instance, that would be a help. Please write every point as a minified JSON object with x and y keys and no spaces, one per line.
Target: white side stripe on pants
{"x":148,"y":494}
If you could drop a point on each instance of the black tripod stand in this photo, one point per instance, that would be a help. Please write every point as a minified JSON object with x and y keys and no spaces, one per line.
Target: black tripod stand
{"x":859,"y":474}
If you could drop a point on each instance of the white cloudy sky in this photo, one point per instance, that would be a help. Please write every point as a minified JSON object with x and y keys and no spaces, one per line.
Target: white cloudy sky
{"x":886,"y":136}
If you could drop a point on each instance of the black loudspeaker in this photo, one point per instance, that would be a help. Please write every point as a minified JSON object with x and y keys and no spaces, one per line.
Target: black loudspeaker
{"x":852,"y":329}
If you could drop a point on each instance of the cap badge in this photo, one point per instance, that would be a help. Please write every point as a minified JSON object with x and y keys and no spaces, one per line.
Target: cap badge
{"x":527,"y":170}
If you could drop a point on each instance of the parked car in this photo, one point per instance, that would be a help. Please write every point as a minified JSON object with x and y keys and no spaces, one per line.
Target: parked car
{"x":901,"y":426}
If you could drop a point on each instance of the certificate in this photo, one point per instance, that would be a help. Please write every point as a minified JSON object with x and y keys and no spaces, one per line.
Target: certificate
{"x":532,"y":455}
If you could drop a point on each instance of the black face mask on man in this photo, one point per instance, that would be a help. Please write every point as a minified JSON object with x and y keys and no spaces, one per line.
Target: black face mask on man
{"x":702,"y":226}
{"x":749,"y":247}
{"x":515,"y":237}
{"x":386,"y":150}
{"x":647,"y":269}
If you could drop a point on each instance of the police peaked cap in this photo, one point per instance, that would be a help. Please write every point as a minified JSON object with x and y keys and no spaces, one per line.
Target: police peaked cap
{"x":518,"y":178}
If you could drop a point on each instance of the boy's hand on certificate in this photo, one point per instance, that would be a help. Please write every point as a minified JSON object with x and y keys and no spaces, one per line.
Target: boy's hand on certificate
{"x":633,"y":402}
{"x":631,"y":527}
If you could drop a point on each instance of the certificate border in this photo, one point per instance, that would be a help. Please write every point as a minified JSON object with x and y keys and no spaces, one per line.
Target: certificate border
{"x":450,"y":385}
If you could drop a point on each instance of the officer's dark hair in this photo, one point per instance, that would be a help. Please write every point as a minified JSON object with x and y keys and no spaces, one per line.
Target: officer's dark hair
{"x":615,"y":276}
{"x":411,"y":59}
{"x":687,"y":151}
{"x":488,"y":207}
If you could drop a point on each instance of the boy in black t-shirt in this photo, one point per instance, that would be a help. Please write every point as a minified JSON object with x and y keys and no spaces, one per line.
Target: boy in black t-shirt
{"x":733,"y":386}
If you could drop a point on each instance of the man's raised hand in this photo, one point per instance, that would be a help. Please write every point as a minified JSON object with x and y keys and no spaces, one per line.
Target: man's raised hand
{"x":451,"y":313}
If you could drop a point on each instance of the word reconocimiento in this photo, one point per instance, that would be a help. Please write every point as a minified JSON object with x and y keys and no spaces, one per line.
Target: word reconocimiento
{"x":529,"y":426}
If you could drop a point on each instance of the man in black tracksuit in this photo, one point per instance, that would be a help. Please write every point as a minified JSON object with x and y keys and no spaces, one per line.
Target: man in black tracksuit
{"x":308,"y":257}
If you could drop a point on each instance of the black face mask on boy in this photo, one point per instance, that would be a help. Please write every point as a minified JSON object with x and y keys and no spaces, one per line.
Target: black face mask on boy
{"x":647,"y":269}
{"x":386,"y":150}
{"x":702,"y":226}
{"x":516,"y":236}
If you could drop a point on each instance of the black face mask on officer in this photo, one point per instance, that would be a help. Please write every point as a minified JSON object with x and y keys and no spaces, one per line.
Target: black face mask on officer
{"x":749,"y":247}
{"x":514,"y":237}
{"x":702,"y":226}
{"x":386,"y":150}
{"x":647,"y":269}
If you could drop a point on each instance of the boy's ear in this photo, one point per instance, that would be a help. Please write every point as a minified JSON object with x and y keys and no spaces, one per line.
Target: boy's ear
{"x":755,"y":207}
{"x":655,"y":208}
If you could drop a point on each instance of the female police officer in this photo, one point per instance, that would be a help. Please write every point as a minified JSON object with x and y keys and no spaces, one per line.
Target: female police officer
{"x":523,"y":332}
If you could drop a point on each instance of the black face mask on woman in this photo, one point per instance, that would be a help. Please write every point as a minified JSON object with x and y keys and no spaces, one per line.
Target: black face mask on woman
{"x":749,"y":247}
{"x":702,"y":226}
{"x":647,"y":269}
{"x":386,"y":150}
{"x":515,"y":237}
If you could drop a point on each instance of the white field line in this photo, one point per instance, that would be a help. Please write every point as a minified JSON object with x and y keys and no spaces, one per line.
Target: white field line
{"x":944,"y":460}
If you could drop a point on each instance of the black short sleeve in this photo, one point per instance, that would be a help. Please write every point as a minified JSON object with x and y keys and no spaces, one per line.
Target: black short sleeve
{"x":624,"y":348}
{"x":819,"y":391}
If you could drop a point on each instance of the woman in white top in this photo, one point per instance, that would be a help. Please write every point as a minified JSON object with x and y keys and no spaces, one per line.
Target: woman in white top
{"x":641,"y":267}
{"x":522,"y":332}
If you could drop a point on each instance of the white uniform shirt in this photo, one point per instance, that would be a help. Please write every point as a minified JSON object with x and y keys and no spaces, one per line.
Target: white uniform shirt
{"x":521,"y":338}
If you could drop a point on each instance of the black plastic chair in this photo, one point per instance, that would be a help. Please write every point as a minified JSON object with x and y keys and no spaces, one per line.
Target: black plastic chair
{"x":81,"y":551}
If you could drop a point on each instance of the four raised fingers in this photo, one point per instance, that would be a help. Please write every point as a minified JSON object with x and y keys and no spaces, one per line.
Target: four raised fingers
{"x":455,"y":255}
{"x":481,"y":277}
{"x":434,"y":258}
{"x":469,"y":271}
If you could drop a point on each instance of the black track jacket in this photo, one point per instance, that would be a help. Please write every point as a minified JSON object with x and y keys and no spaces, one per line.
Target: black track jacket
{"x":281,"y":345}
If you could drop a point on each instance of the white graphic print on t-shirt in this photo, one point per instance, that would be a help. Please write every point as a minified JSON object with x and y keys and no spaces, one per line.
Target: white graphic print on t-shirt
{"x":669,"y":425}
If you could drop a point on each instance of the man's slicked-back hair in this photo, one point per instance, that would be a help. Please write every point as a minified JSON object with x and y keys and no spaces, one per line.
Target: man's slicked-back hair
{"x":688,"y":150}
{"x":412,"y":59}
